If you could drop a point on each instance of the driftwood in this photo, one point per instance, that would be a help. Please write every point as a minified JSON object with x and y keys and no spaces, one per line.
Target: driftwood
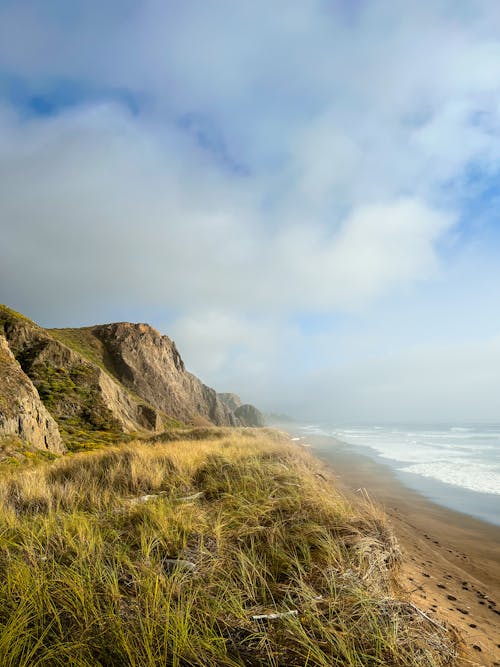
{"x":276,"y":615}
{"x":427,"y":618}
{"x":194,"y":496}
{"x":178,"y":563}
{"x":146,"y":498}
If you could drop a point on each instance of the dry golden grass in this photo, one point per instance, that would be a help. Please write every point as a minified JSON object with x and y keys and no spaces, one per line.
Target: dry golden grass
{"x":95,"y":573}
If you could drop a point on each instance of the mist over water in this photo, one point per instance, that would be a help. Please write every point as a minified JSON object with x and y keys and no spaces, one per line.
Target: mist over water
{"x":456,"y":465}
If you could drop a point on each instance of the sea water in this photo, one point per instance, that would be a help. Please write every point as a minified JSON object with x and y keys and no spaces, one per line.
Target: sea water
{"x":456,"y":465}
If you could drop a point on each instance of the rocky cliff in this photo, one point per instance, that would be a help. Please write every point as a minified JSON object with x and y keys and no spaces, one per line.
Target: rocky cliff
{"x":22,"y":413}
{"x":233,"y":401}
{"x":246,"y":414}
{"x":150,"y":365}
{"x":103,"y":382}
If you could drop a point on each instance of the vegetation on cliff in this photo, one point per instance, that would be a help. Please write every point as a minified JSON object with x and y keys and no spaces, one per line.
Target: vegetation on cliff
{"x":105,"y":384}
{"x":177,"y":553}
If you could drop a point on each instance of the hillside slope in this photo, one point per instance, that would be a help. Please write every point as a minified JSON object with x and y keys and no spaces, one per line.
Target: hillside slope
{"x":22,"y":413}
{"x":228,"y":552}
{"x":105,"y":382}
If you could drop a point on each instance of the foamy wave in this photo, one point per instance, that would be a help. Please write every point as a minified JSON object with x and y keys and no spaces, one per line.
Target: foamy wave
{"x":475,"y":476}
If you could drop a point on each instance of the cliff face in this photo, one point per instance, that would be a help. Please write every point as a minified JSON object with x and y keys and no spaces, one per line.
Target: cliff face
{"x":245,"y":414}
{"x":233,"y":401}
{"x":22,"y":413}
{"x":248,"y":415}
{"x":150,"y":365}
{"x":102,"y":382}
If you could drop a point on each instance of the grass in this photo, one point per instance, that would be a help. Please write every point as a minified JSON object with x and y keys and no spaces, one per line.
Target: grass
{"x":17,"y":452}
{"x":84,"y":342}
{"x":8,"y":315}
{"x":93,"y":573}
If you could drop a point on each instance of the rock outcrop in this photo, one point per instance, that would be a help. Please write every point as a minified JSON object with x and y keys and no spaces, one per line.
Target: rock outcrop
{"x":248,"y":415}
{"x":150,"y":365}
{"x":233,"y":401}
{"x":245,"y":414}
{"x":22,"y":413}
{"x":102,"y":382}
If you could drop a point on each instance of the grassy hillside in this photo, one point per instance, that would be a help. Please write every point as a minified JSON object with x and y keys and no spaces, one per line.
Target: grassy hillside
{"x":84,"y":342}
{"x":164,"y":554}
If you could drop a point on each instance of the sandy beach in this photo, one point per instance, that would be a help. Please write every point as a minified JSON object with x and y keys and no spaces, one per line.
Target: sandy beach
{"x":452,"y":561}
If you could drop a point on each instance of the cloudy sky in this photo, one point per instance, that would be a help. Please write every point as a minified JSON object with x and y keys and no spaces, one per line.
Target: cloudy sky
{"x":304,"y":195}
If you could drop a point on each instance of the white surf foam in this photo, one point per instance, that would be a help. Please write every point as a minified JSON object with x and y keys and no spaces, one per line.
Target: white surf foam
{"x":475,"y":477}
{"x":464,"y":456}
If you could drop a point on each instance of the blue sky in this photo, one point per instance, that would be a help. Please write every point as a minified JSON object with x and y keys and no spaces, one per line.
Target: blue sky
{"x":303,"y":195}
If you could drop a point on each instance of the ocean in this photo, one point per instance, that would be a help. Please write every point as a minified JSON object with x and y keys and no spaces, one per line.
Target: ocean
{"x":457,"y":466}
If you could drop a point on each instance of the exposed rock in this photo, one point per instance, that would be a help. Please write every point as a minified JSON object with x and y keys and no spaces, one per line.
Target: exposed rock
{"x":78,"y":393}
{"x":86,"y":401}
{"x":150,"y":365}
{"x":104,"y":381}
{"x":248,"y":415}
{"x":233,"y":401}
{"x":22,"y":413}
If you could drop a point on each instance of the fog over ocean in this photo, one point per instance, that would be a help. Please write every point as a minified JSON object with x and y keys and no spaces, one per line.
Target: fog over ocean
{"x":455,"y":465}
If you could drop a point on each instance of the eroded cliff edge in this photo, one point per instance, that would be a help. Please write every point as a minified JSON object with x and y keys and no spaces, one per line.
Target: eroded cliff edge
{"x":22,"y":413}
{"x":101,"y":383}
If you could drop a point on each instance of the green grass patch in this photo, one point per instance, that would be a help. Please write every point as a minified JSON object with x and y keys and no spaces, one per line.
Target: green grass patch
{"x":8,"y":315}
{"x":82,"y":341}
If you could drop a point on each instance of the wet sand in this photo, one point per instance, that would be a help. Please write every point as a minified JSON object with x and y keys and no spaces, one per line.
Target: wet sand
{"x":452,"y":561}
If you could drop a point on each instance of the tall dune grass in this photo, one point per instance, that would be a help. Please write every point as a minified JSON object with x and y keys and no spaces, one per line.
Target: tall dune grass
{"x":161,"y":555}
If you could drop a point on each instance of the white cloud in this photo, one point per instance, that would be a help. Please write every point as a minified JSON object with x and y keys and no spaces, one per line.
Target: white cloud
{"x":90,"y":195}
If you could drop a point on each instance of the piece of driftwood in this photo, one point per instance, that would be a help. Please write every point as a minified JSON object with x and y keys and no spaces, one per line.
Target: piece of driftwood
{"x":427,"y":618}
{"x":194,"y":496}
{"x":146,"y":498}
{"x":276,"y":615}
{"x":178,"y":563}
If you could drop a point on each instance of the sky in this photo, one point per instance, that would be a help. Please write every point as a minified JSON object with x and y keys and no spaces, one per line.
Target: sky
{"x":303,"y":195}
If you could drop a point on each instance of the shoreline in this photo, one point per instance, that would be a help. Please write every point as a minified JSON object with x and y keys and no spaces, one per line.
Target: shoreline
{"x":452,"y":560}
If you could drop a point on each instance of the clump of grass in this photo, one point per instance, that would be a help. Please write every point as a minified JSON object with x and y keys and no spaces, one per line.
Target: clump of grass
{"x":162,"y":554}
